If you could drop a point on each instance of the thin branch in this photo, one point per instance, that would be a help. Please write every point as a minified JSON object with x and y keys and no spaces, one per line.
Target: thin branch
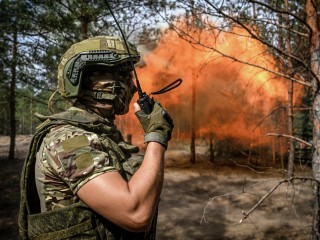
{"x":278,"y":11}
{"x":245,"y":189}
{"x":193,"y":41}
{"x":255,"y":36}
{"x":196,"y":42}
{"x":268,"y":21}
{"x":265,"y":170}
{"x":227,"y":195}
{"x":246,"y":215}
{"x":292,"y":137}
{"x":289,"y":181}
{"x":262,"y":120}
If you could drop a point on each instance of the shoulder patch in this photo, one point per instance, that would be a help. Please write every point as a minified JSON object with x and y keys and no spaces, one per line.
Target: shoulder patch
{"x":75,"y":143}
{"x":84,"y":161}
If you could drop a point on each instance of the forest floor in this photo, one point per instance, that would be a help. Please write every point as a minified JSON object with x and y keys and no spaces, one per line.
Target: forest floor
{"x":201,"y":201}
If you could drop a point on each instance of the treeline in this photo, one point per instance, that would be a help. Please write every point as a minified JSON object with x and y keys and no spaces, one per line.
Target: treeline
{"x":34,"y":34}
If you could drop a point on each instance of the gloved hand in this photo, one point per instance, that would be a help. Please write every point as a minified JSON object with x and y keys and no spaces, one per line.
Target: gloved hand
{"x":157,"y":125}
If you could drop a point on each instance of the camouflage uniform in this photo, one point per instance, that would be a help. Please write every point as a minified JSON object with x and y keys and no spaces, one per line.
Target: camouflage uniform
{"x":73,"y":147}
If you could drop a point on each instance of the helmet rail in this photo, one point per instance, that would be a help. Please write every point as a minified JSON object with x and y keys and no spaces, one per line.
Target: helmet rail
{"x":106,"y":57}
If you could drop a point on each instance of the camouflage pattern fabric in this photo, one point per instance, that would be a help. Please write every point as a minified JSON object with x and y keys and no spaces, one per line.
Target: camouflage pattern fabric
{"x":68,"y":158}
{"x":95,"y":147}
{"x":72,"y":154}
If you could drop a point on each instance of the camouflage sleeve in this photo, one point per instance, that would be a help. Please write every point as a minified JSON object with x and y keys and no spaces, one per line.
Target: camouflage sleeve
{"x":76,"y":156}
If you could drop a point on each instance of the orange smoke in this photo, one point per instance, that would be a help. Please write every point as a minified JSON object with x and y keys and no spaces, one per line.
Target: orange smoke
{"x":232,"y":97}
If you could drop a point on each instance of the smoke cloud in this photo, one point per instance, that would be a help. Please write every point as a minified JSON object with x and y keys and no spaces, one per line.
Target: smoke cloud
{"x":232,"y":97}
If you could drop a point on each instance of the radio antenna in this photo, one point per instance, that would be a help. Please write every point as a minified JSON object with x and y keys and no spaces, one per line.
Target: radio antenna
{"x":140,"y":93}
{"x":146,"y":103}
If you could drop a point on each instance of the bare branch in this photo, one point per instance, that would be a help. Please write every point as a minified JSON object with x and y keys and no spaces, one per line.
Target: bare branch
{"x":255,"y":36}
{"x":265,"y":170}
{"x":289,"y":181}
{"x":187,"y":37}
{"x":246,"y":215}
{"x":277,"y":10}
{"x":246,"y":190}
{"x":274,"y":110}
{"x":292,"y":137}
{"x":227,"y":195}
{"x":192,"y":40}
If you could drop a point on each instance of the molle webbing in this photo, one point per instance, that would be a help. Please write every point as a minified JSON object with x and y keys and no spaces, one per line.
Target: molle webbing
{"x":52,"y":225}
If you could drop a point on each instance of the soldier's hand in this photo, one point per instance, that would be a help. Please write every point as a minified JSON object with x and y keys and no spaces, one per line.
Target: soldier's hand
{"x":157,"y":125}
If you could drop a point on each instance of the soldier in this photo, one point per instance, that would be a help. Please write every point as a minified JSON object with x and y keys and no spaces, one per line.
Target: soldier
{"x":81,"y":180}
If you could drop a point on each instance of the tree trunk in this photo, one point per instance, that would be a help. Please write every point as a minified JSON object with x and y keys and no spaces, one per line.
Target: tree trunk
{"x":12,"y":100}
{"x":290,"y":100}
{"x":85,"y":19}
{"x":84,"y":26}
{"x":31,"y":115}
{"x":211,"y":147}
{"x":193,"y":120}
{"x":282,"y":113}
{"x":290,"y":130}
{"x":314,"y":37}
{"x":193,"y":102}
{"x":316,"y":163}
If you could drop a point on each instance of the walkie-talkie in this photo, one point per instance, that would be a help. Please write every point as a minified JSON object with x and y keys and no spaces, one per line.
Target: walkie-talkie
{"x":145,"y":101}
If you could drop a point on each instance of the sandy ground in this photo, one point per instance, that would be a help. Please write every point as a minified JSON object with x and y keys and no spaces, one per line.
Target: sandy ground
{"x":199,"y":201}
{"x":206,"y":201}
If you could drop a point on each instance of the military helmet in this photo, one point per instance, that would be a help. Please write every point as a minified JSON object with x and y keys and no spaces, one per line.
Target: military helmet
{"x":101,"y":50}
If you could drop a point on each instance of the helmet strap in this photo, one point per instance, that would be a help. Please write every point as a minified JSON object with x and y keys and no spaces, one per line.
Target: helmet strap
{"x":98,"y":95}
{"x":50,"y":104}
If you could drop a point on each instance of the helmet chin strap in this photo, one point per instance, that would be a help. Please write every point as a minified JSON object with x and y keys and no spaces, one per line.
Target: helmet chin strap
{"x":105,"y":100}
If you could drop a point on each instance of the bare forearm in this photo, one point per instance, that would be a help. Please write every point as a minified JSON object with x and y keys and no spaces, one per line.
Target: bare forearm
{"x":146,"y":184}
{"x":130,"y":205}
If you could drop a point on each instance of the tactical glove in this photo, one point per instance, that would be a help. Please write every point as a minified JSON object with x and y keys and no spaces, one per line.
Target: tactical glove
{"x":157,"y":125}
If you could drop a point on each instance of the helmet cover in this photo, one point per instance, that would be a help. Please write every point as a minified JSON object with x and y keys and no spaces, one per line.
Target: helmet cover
{"x":102,"y":50}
